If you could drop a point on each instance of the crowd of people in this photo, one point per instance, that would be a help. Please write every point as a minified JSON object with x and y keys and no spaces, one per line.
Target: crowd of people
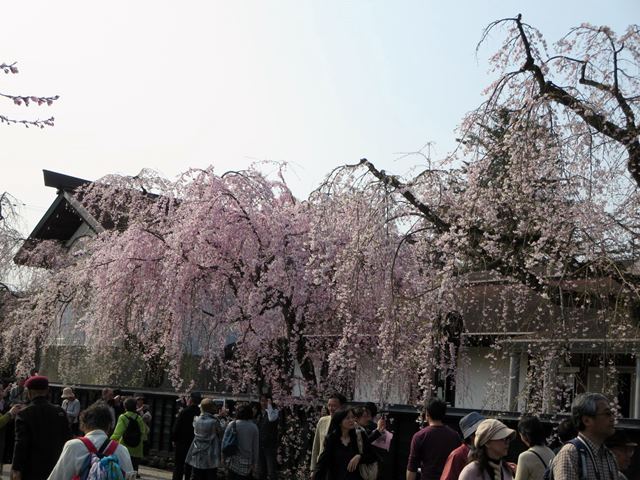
{"x":107,"y":440}
{"x":591,"y":447}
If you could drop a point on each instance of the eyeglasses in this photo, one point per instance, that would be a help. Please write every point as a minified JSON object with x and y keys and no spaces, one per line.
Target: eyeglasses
{"x":607,"y":413}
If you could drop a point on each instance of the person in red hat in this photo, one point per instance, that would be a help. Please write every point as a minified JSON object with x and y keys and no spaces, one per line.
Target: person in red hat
{"x":41,"y":431}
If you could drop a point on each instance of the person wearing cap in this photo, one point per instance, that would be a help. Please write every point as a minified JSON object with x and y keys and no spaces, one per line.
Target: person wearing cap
{"x":204,"y":453}
{"x":533,"y":462}
{"x":431,"y":445}
{"x":459,"y":458}
{"x":491,"y":446}
{"x":182,"y":435}
{"x":41,"y":432}
{"x":71,"y":405}
{"x":587,"y":457}
{"x":623,"y":449}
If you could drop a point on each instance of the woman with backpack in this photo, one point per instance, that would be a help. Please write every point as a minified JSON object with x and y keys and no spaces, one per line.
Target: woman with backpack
{"x":204,"y":453}
{"x":131,"y":431}
{"x":79,"y":456}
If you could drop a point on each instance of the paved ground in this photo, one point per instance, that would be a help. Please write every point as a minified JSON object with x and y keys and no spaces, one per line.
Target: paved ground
{"x":145,"y":472}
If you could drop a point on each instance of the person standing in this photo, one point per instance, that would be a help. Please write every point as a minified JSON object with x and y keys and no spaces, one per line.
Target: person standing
{"x":244,"y":464}
{"x":431,"y":445}
{"x":268,"y":444}
{"x":182,"y":435}
{"x":144,"y":411}
{"x":123,"y":429}
{"x":41,"y":432}
{"x":533,"y":462}
{"x":95,"y":421}
{"x":458,"y":459}
{"x":334,"y":403}
{"x":345,"y":449}
{"x":71,"y":406}
{"x":491,"y":446}
{"x":592,"y":415}
{"x":204,"y":453}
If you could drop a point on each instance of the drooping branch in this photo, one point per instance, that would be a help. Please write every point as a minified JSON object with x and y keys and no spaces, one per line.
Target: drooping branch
{"x":626,"y":136}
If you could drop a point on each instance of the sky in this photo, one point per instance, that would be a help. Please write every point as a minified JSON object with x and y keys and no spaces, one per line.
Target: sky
{"x":313,"y":83}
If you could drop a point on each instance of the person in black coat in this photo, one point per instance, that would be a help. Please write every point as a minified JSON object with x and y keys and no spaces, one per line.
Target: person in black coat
{"x":342,"y":454}
{"x":42,"y":429}
{"x":182,"y":436}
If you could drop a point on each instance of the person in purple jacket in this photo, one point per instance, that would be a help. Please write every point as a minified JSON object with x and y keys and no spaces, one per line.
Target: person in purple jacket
{"x":431,"y":445}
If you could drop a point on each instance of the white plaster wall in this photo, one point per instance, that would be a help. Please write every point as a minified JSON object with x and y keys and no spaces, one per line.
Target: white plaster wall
{"x":482,"y":383}
{"x":368,"y":388}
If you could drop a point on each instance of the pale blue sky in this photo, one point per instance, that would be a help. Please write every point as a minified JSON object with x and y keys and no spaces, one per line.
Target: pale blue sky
{"x":172,"y":85}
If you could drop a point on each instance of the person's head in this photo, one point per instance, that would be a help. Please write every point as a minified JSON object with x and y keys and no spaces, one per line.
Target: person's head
{"x":362,"y":415}
{"x":244,"y":412}
{"x":96,"y":417}
{"x":436,"y":409}
{"x":207,"y":405}
{"x":567,"y":430}
{"x":341,"y":421}
{"x":468,"y":425}
{"x":107,"y":394}
{"x":265,"y":398}
{"x":531,"y":431}
{"x":37,"y":386}
{"x":139,"y":401}
{"x":130,"y":404}
{"x":592,"y":415}
{"x":194,"y":398}
{"x":622,"y":448}
{"x":335,"y":402}
{"x":493,"y":438}
{"x":67,"y":394}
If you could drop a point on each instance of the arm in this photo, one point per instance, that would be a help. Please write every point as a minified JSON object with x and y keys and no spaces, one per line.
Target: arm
{"x":522,"y":472}
{"x":10,"y":415}
{"x":413,"y":461}
{"x":368,"y":454}
{"x":315,"y":451}
{"x":254,"y":448}
{"x":120,"y":428}
{"x":22,"y":445}
{"x":144,"y":428}
{"x":125,"y":460}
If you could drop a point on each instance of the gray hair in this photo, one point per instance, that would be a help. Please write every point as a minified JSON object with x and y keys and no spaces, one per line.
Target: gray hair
{"x":585,"y":404}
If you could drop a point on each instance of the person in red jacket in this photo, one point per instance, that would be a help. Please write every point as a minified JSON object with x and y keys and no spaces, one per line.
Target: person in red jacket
{"x":459,"y":458}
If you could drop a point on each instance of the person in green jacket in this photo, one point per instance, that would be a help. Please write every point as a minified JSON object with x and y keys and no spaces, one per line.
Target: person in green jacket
{"x":130,"y":415}
{"x":11,"y":414}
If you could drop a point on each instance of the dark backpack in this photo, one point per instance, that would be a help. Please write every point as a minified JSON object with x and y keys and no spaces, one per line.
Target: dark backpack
{"x":582,"y":460}
{"x":132,"y":435}
{"x":230,"y":441}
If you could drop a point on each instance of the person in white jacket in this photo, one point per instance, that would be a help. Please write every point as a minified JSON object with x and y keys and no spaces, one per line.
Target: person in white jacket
{"x":95,"y":421}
